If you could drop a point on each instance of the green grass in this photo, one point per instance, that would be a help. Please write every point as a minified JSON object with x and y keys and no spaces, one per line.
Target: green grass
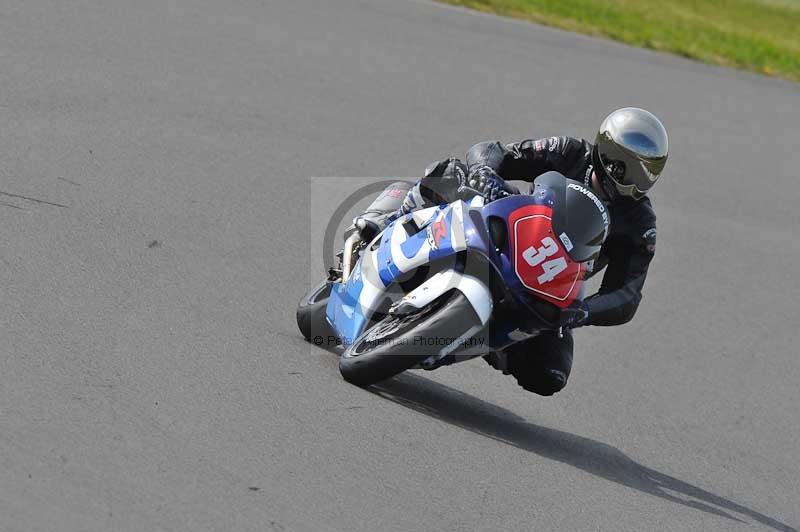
{"x":758,"y":35}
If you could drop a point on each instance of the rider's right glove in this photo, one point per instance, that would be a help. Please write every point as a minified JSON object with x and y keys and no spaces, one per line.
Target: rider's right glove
{"x":491,"y":186}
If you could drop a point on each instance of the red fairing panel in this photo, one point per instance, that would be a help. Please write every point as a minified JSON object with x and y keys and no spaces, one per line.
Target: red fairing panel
{"x":540,"y":260}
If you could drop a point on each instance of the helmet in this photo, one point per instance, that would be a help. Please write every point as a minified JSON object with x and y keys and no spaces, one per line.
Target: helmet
{"x":630,"y":152}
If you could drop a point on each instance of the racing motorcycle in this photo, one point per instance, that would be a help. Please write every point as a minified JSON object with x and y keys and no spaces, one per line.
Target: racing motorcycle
{"x":457,"y":281}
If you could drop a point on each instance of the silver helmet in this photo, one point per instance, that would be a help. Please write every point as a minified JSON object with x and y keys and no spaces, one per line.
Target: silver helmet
{"x":630,"y":152}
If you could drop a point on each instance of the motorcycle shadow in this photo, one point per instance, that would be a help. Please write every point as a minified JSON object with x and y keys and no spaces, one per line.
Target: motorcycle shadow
{"x":595,"y":457}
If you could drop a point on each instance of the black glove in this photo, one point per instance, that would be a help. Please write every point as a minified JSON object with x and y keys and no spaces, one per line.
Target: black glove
{"x":574,"y":316}
{"x":491,"y":186}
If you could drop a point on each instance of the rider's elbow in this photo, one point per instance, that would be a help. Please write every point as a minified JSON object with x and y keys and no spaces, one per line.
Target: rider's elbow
{"x":484,"y":153}
{"x":628,"y":310}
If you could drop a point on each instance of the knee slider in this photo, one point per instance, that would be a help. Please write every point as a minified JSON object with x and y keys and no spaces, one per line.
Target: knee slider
{"x":545,"y":383}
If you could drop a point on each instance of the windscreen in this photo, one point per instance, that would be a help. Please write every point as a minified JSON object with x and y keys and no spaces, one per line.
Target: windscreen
{"x":580,"y":219}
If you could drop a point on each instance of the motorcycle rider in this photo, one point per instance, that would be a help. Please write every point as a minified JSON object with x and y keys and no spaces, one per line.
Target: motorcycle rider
{"x":627,"y":157}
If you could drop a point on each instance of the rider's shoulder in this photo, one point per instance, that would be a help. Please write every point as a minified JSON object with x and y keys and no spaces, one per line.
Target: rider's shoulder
{"x":638,"y":212}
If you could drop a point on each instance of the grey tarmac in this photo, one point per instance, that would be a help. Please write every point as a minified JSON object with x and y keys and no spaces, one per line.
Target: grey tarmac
{"x":161,"y":209}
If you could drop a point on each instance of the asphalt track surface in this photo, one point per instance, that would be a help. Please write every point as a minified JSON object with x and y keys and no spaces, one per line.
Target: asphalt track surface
{"x":159,"y":221}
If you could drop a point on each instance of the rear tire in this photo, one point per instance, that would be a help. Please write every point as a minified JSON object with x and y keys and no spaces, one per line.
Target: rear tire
{"x":311,"y":311}
{"x":398,"y":343}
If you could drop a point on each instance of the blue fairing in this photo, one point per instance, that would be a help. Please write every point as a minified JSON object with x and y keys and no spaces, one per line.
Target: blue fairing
{"x":349,"y":302}
{"x":411,"y":246}
{"x":502,"y":209}
{"x":445,"y":247}
{"x":343,"y":311}
{"x":346,"y":307}
{"x":387,"y":269}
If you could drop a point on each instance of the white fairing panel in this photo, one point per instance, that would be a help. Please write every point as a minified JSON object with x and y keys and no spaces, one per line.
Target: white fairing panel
{"x":475,"y":291}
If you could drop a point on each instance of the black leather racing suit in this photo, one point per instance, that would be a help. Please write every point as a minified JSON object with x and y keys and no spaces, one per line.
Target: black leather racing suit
{"x":542,"y":364}
{"x":630,"y":245}
{"x":625,"y":255}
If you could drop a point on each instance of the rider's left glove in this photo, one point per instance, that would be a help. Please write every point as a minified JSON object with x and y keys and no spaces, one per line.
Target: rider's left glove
{"x":575,"y":316}
{"x":491,"y":186}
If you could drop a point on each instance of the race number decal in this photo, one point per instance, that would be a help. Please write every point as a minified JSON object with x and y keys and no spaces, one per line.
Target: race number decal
{"x":540,"y":262}
{"x":552,"y":268}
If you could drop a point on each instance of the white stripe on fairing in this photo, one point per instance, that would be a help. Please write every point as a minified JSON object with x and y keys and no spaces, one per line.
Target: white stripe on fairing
{"x":474,"y":290}
{"x":373,"y":288}
{"x":478,"y":295}
{"x":477,"y":201}
{"x":457,"y":229}
{"x":405,"y":264}
{"x":422,"y":216}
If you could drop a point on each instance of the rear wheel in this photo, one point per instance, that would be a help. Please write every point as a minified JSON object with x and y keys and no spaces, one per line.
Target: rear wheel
{"x":398,"y":343}
{"x":311,"y":312}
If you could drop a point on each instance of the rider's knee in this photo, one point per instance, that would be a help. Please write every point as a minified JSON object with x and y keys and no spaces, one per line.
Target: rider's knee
{"x":443,"y":180}
{"x":545,"y":383}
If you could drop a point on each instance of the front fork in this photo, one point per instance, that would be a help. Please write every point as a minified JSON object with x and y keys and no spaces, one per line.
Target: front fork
{"x":349,"y":254}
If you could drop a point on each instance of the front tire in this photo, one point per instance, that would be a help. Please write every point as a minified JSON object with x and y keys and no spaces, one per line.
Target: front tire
{"x":398,"y":343}
{"x":311,"y":310}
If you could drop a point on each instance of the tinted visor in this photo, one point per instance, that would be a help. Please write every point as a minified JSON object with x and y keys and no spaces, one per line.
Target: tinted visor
{"x":613,"y":176}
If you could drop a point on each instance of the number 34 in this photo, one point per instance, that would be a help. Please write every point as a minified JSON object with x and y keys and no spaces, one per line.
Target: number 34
{"x":535,"y":257}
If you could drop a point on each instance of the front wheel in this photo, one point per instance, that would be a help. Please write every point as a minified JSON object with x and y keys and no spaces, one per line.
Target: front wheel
{"x":398,"y":343}
{"x":311,"y":312}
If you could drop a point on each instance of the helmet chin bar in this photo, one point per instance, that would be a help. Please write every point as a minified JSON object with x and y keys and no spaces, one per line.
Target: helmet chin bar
{"x":609,"y":187}
{"x":612,"y":188}
{"x":606,"y":183}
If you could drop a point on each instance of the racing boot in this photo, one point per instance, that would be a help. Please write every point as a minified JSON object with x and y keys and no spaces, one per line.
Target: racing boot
{"x":386,"y":207}
{"x":444,"y":181}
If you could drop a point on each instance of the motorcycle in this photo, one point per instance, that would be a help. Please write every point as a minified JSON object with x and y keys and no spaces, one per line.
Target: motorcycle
{"x":457,"y":281}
